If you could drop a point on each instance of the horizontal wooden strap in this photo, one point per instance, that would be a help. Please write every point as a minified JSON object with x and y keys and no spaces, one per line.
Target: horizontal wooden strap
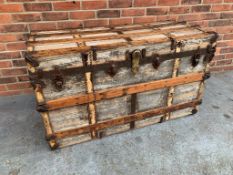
{"x":124,"y":120}
{"x":120,"y":91}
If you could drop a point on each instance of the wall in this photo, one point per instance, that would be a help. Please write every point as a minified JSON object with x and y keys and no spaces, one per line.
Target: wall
{"x":19,"y":17}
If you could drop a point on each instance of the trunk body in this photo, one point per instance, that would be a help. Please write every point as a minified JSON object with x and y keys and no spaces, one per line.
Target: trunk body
{"x":91,"y":83}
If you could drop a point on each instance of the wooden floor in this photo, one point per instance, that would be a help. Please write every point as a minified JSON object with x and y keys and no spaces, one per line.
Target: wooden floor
{"x":197,"y":145}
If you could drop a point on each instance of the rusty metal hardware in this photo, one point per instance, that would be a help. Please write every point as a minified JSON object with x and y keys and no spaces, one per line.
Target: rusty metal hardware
{"x":84,"y":59}
{"x":94,"y":54}
{"x":112,"y":70}
{"x":36,"y":80}
{"x":119,"y":64}
{"x":39,"y":73}
{"x":42,"y":107}
{"x":54,"y":145}
{"x":100,"y":134}
{"x":50,"y":137}
{"x":156,"y":61}
{"x":207,"y":75}
{"x":196,"y":58}
{"x":29,"y":59}
{"x":136,"y":57}
{"x":175,"y":43}
{"x":144,"y":53}
{"x":58,"y":80}
{"x":210,"y":53}
{"x":194,"y":111}
{"x":214,"y":38}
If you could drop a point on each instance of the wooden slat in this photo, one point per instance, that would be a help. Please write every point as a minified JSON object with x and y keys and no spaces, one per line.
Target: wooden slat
{"x":98,"y":38}
{"x":53,"y":52}
{"x":124,"y":119}
{"x":121,"y":91}
{"x":91,"y":106}
{"x":45,"y":118}
{"x":108,"y":29}
{"x":171,"y":90}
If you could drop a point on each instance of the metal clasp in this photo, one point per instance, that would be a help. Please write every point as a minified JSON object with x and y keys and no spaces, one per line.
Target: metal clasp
{"x":112,"y":71}
{"x":136,"y":56}
{"x":175,"y":43}
{"x":58,"y":80}
{"x":156,"y":61}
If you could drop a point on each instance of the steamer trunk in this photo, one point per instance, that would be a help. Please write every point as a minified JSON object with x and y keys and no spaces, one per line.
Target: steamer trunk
{"x":90,"y":83}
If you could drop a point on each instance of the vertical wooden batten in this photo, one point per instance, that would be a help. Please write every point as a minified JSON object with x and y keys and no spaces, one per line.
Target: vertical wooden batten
{"x":171,"y":90}
{"x":90,"y":89}
{"x":49,"y":133}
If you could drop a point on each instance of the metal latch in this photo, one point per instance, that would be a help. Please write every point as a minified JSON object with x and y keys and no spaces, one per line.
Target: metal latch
{"x":58,"y":80}
{"x":112,"y":70}
{"x":84,"y":59}
{"x":136,"y":56}
{"x":156,"y":61}
{"x":175,"y":43}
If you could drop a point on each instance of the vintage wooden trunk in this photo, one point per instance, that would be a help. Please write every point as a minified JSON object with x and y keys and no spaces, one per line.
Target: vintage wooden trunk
{"x":91,"y":83}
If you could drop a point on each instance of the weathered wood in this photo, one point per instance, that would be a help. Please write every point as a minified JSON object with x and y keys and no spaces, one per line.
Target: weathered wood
{"x":108,"y":36}
{"x":46,"y":121}
{"x":83,"y":48}
{"x":124,"y":119}
{"x":105,"y":88}
{"x":91,"y":106}
{"x":172,"y":88}
{"x":166,"y":24}
{"x":121,"y":91}
{"x":74,"y":140}
{"x":72,"y":63}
